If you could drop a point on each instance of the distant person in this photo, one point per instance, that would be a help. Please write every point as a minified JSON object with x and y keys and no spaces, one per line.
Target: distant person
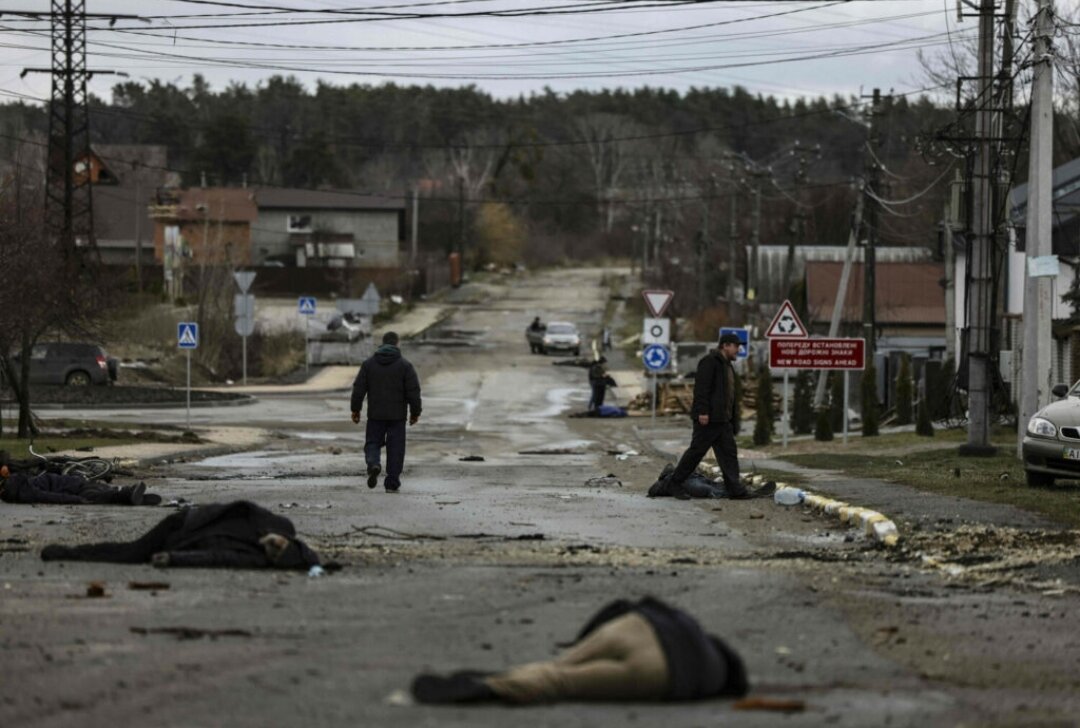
{"x":599,"y":381}
{"x":536,"y":325}
{"x":390,"y":384}
{"x":715,"y":416}
{"x":605,"y":339}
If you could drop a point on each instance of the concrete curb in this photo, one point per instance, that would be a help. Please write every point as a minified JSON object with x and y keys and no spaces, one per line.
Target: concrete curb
{"x":881,"y":528}
{"x":238,"y":402}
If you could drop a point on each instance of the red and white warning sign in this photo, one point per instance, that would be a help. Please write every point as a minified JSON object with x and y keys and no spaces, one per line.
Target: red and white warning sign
{"x":786,"y":324}
{"x":658,"y":301}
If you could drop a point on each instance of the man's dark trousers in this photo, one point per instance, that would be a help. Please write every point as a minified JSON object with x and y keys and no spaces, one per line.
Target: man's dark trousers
{"x":390,"y":433}
{"x":721,"y":438}
{"x":597,"y":398}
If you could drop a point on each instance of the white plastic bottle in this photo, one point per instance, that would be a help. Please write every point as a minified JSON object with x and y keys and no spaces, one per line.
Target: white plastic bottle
{"x":788,"y":496}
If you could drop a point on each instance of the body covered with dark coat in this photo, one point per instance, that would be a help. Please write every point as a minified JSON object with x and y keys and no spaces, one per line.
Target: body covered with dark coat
{"x":56,"y":489}
{"x":221,"y":534}
{"x":389,"y":383}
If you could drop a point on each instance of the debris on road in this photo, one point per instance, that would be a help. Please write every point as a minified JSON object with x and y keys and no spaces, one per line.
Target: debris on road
{"x":472,"y":459}
{"x":95,"y":590}
{"x":603,"y":481}
{"x":192,"y":633}
{"x":148,"y":585}
{"x":780,"y":705}
{"x":626,"y":455}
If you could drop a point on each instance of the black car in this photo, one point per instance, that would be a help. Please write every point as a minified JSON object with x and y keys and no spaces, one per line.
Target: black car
{"x":71,"y":363}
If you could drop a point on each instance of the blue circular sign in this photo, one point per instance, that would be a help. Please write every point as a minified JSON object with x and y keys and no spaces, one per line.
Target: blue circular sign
{"x":656,"y":357}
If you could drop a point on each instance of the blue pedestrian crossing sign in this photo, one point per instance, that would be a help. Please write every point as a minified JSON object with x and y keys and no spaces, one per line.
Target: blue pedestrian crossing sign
{"x":656,"y":357}
{"x":187,"y":335}
{"x":744,"y":340}
{"x":306,"y":305}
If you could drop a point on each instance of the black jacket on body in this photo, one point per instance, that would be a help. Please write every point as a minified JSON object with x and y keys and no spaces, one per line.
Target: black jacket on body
{"x":214,"y":535}
{"x":710,"y":390}
{"x":389,"y":383}
{"x":699,"y":664}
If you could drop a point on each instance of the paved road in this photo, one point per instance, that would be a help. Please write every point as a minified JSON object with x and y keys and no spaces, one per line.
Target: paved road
{"x":437,"y":578}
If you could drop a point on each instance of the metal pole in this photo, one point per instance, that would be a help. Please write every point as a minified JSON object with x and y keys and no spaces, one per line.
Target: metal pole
{"x":189,"y":389}
{"x":653,"y":401}
{"x":244,"y":349}
{"x":307,"y":352}
{"x":785,"y":420}
{"x":1038,"y":301}
{"x":845,"y":405}
{"x":415,"y":222}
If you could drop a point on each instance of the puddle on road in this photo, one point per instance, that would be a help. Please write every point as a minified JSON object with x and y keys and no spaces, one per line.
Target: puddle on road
{"x":559,"y":400}
{"x":324,"y":436}
{"x":262,"y":459}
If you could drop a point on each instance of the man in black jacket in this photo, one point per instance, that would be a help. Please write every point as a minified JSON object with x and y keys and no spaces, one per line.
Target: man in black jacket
{"x":392,"y":389}
{"x":598,"y":383}
{"x":715,"y":415}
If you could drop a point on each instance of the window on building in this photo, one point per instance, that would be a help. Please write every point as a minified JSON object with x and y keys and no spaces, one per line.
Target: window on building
{"x":300,"y":224}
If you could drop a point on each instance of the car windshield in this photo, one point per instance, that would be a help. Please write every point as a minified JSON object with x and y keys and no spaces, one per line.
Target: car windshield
{"x":560,"y":329}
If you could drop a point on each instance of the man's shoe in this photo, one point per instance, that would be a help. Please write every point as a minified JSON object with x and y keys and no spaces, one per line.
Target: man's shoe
{"x":373,"y":475}
{"x":137,"y":494}
{"x":392,"y":488}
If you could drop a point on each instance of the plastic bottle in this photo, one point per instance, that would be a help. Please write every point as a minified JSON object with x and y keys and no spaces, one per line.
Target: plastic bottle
{"x":789,"y":496}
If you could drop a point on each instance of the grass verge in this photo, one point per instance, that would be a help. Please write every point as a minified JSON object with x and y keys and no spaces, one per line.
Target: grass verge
{"x":20,"y":449}
{"x":998,"y":479}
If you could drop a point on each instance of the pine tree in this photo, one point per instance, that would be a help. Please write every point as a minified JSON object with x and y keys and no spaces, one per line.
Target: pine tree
{"x":904,"y":392}
{"x":802,"y":414}
{"x":836,"y":401}
{"x":763,"y":427}
{"x":923,"y":425}
{"x":869,"y":401}
{"x":823,"y":430}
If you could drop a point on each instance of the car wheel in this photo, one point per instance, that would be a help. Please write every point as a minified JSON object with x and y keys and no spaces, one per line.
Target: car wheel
{"x":78,"y":379}
{"x":1039,"y":480}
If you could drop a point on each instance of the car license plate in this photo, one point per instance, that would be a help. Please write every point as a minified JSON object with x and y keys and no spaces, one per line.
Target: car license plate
{"x":1071,"y":453}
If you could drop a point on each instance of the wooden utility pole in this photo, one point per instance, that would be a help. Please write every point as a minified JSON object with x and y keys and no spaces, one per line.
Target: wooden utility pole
{"x":980,"y":306}
{"x":1038,"y":306}
{"x":733,"y":242}
{"x":872,"y":187}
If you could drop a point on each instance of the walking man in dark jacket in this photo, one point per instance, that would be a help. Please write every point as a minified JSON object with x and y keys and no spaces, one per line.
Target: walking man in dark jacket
{"x":598,"y":383}
{"x":390,"y":384}
{"x":715,"y":417}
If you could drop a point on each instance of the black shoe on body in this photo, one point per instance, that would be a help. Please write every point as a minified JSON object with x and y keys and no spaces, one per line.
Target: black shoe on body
{"x":391,"y":487}
{"x":678,"y":491}
{"x":137,"y":494}
{"x":373,"y":475}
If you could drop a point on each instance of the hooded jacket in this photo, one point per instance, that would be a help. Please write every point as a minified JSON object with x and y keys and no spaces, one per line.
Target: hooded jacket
{"x":711,"y":396}
{"x":389,"y":383}
{"x":44,"y":488}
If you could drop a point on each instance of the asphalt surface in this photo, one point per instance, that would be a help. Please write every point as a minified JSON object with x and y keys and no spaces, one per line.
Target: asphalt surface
{"x":451,"y":573}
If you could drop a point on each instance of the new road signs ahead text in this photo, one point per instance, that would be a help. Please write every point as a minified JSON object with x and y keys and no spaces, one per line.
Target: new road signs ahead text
{"x":817,"y":353}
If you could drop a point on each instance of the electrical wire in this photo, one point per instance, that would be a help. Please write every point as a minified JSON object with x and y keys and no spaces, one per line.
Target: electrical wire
{"x":908,"y":200}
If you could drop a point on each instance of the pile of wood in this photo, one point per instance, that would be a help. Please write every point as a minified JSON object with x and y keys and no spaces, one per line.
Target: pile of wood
{"x":673,"y":398}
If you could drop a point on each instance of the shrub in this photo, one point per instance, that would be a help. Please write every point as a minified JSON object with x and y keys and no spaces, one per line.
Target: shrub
{"x":904,"y":392}
{"x":763,"y":427}
{"x":923,"y":425}
{"x":802,"y":413}
{"x":869,"y":401}
{"x":823,"y":431}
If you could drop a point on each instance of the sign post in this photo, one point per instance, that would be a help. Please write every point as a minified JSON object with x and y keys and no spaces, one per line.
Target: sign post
{"x":244,"y":310}
{"x":306,"y":306}
{"x":187,"y":338}
{"x":657,"y":358}
{"x":785,"y":326}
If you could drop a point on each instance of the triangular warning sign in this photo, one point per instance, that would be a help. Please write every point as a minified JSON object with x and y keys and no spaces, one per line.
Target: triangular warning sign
{"x":657,"y":301}
{"x":786,"y":324}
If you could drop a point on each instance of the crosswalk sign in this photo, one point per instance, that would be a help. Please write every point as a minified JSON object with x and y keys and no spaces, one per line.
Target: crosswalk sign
{"x":187,"y":335}
{"x":306,"y":305}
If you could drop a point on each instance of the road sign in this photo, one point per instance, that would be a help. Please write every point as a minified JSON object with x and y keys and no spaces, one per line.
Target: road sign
{"x":187,"y":335}
{"x":657,"y":301}
{"x":744,"y":340}
{"x":244,"y":279}
{"x":786,"y":324}
{"x":656,"y":357}
{"x":656,"y":331}
{"x":366,"y":305}
{"x":244,"y":306}
{"x":817,"y":354}
{"x":244,"y":326}
{"x":306,"y":305}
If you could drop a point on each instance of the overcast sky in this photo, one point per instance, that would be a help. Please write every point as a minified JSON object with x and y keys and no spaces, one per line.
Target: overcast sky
{"x":873,"y":42}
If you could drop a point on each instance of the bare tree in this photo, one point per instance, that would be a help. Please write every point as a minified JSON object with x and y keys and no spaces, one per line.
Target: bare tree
{"x":608,"y":151}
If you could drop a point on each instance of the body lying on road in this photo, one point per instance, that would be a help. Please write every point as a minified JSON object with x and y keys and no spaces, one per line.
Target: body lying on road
{"x":70,"y":490}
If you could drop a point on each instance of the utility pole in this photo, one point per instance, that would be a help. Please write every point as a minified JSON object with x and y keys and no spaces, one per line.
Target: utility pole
{"x":733,"y":242}
{"x":799,"y":222}
{"x":461,"y":216}
{"x":705,"y":244}
{"x":981,"y":308}
{"x":415,"y":223}
{"x":753,"y":261}
{"x":1038,"y":306}
{"x":69,"y":212}
{"x":872,"y":187}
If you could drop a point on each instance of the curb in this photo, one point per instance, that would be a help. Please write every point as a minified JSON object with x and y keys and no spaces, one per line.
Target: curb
{"x":237,"y":402}
{"x":204,"y":452}
{"x":873,"y":523}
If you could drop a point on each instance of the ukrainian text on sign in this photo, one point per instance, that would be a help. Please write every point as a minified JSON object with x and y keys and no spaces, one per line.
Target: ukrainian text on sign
{"x":817,"y":353}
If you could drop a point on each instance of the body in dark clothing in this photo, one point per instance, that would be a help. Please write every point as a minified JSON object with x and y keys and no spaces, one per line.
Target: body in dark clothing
{"x":238,"y":534}
{"x":392,"y":389}
{"x":628,"y":651}
{"x":71,"y":490}
{"x":715,"y":417}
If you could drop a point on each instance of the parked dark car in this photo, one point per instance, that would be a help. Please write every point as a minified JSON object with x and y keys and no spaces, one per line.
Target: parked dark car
{"x":72,"y":364}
